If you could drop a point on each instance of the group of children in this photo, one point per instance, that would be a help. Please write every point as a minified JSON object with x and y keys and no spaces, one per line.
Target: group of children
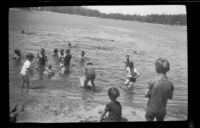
{"x":160,"y":90}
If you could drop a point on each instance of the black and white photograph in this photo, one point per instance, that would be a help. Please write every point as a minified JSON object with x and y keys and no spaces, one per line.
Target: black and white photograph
{"x":111,"y":63}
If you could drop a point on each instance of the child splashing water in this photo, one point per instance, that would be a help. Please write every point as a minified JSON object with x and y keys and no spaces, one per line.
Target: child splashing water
{"x":131,"y":75}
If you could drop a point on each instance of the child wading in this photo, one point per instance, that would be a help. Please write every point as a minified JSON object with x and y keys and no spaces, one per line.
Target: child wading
{"x":41,"y":63}
{"x":17,"y":57}
{"x":90,"y":75}
{"x":27,"y":71}
{"x":160,"y":90}
{"x":82,"y":62}
{"x":48,"y":71}
{"x":114,"y":107}
{"x":131,"y":75}
{"x":67,"y":60}
{"x":127,"y":61}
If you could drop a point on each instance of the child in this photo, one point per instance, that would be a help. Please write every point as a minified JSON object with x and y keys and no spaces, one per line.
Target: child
{"x":42,"y":62}
{"x":160,"y":90}
{"x":90,"y":75}
{"x":48,"y":71}
{"x":114,"y":107}
{"x":69,"y":45}
{"x":55,"y":53}
{"x":127,"y":61}
{"x":26,"y":70}
{"x":17,"y":56}
{"x":61,"y":55}
{"x":131,"y":75}
{"x":67,"y":60}
{"x":82,"y":62}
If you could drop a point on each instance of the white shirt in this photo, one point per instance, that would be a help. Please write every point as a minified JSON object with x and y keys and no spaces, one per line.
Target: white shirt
{"x":133,"y":74}
{"x":25,"y":67}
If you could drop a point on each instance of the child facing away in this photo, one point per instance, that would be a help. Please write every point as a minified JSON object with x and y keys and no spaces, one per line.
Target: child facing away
{"x":113,"y":108}
{"x":160,"y":90}
{"x":90,"y":75}
{"x":55,"y":53}
{"x":17,"y":56}
{"x":42,"y":62}
{"x":27,"y":71}
{"x":82,"y":62}
{"x":131,"y":75}
{"x":48,"y":71}
{"x":67,"y":60}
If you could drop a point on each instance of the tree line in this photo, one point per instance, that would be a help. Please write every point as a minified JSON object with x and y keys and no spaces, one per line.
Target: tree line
{"x":179,"y":19}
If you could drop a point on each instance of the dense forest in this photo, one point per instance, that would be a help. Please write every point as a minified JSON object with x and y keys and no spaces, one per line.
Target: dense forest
{"x":179,"y":19}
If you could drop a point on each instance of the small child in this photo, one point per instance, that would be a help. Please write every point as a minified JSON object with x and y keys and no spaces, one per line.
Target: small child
{"x":27,"y":71}
{"x":82,"y":62}
{"x":90,"y":75}
{"x":55,"y":53}
{"x":160,"y":90}
{"x":69,"y":45}
{"x":48,"y":71}
{"x":61,"y":55}
{"x":17,"y":56}
{"x":131,"y":75}
{"x":114,"y":107}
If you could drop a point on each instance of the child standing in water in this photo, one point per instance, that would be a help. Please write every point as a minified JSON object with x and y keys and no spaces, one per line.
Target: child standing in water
{"x":17,"y":56}
{"x":26,"y":71}
{"x":160,"y":90}
{"x":55,"y":53}
{"x":114,"y":107}
{"x":48,"y":71}
{"x":82,"y":62}
{"x":41,"y":63}
{"x":67,"y":60}
{"x":90,"y":75}
{"x":131,"y":75}
{"x":61,"y":56}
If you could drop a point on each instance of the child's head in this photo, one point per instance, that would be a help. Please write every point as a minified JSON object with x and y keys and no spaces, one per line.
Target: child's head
{"x":82,"y":53}
{"x":68,"y":51}
{"x":30,"y":56}
{"x":162,"y":65}
{"x":113,"y":93}
{"x":131,"y":65}
{"x":69,"y":44}
{"x":55,"y":50}
{"x":49,"y":66}
{"x":17,"y":52}
{"x":42,"y":50}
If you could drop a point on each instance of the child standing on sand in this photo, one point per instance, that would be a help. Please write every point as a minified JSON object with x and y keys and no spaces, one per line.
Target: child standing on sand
{"x":160,"y":90}
{"x":90,"y":75}
{"x":131,"y":75}
{"x":114,"y":107}
{"x":27,"y":71}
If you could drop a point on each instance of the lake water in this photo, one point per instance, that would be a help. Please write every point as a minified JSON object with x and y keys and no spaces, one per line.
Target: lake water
{"x":144,"y":42}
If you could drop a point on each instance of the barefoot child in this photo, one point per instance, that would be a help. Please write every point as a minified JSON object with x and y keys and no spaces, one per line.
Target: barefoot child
{"x":67,"y":60}
{"x":127,"y":61}
{"x":160,"y":90}
{"x":26,"y":71}
{"x":90,"y":75}
{"x":114,"y":107}
{"x":131,"y":75}
{"x":55,"y":53}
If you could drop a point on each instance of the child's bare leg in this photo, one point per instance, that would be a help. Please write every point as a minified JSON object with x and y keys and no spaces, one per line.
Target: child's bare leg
{"x":86,"y":82}
{"x":27,"y":89}
{"x":126,"y":82}
{"x":22,"y":85}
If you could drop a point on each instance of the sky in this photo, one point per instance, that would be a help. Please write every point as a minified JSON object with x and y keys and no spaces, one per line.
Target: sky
{"x":141,"y":10}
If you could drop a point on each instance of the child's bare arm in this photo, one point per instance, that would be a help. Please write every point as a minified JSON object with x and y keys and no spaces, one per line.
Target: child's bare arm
{"x":171,"y":92}
{"x":102,"y":116}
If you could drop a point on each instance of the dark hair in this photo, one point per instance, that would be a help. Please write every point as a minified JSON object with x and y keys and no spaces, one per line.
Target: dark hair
{"x":162,"y":65}
{"x":83,"y":52}
{"x":127,"y":55}
{"x":49,"y":66}
{"x":113,"y":93}
{"x":42,"y":49}
{"x":69,"y":44}
{"x":131,"y":65}
{"x":55,"y":50}
{"x":18,"y":52}
{"x":29,"y":56}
